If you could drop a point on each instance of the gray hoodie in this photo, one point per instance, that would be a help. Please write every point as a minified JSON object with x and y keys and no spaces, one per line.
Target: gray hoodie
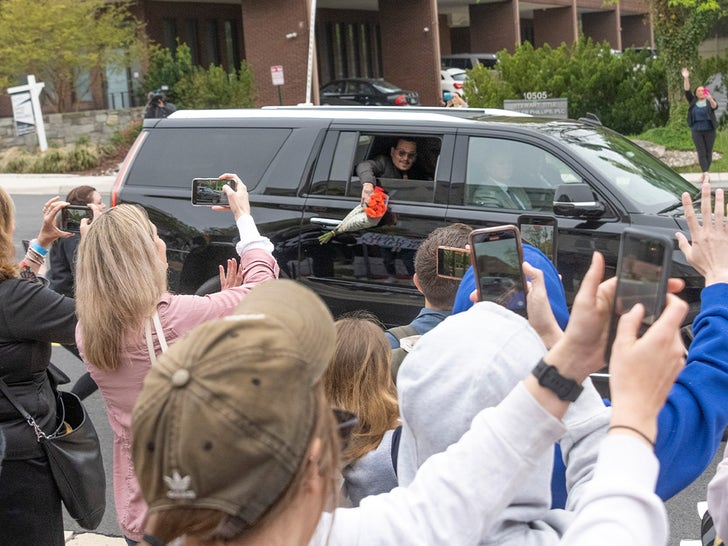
{"x":471,"y":361}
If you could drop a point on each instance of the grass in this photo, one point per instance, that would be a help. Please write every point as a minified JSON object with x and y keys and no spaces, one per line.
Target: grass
{"x":674,"y":137}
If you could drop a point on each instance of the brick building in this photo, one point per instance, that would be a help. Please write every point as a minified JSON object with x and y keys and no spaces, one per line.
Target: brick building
{"x":399,"y":40}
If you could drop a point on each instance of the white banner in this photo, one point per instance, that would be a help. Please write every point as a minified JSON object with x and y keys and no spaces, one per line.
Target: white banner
{"x":23,"y":113}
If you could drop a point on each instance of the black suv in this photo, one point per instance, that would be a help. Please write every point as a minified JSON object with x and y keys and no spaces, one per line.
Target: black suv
{"x":300,"y":167}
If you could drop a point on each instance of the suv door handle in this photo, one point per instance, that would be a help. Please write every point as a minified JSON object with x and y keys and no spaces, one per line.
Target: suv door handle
{"x":326,"y":222}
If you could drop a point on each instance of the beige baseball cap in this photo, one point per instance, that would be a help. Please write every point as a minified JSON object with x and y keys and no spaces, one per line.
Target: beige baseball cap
{"x":226,"y":414}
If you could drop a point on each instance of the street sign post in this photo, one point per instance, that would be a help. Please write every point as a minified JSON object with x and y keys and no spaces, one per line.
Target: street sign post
{"x":276,"y":75}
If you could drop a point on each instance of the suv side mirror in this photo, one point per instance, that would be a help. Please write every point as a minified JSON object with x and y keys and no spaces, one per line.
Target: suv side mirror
{"x":577,"y":201}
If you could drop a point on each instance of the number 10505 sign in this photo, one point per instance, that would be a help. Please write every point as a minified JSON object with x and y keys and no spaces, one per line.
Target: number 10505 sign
{"x":536,"y":95}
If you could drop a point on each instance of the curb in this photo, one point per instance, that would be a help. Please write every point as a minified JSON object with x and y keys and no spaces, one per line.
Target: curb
{"x":52,"y":184}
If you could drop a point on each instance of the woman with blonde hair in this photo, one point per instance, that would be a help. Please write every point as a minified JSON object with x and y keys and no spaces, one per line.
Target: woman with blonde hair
{"x":31,"y":318}
{"x":359,"y":380}
{"x":126,"y":317}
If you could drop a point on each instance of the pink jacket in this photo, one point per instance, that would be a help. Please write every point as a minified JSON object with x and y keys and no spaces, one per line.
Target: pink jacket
{"x":120,"y":387}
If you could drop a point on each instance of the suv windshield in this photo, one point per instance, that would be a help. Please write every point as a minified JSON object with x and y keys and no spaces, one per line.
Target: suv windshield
{"x":645,"y":180}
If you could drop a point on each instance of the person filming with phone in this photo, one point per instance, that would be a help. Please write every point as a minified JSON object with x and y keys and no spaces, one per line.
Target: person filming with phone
{"x":702,"y":122}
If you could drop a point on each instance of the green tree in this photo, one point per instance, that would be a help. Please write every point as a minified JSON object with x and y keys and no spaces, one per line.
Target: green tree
{"x":66,"y":44}
{"x":680,"y":26}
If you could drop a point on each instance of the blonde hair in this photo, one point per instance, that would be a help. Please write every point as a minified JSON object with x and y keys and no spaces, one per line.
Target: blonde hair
{"x":119,"y":281}
{"x":209,"y":526}
{"x":359,"y":379}
{"x":8,"y":267}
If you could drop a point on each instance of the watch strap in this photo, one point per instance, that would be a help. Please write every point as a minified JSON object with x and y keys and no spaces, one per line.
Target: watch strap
{"x":548,"y":376}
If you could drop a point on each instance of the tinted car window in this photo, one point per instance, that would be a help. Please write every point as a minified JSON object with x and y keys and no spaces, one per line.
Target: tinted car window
{"x":353,"y":148}
{"x":173,"y":158}
{"x":506,"y":174}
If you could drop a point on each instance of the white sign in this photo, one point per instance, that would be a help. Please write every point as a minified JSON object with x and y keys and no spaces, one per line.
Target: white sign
{"x":547,"y":108}
{"x":23,"y":113}
{"x":30,"y":92}
{"x":276,"y":74}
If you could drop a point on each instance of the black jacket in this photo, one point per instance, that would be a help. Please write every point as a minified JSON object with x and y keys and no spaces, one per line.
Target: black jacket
{"x":691,"y":110}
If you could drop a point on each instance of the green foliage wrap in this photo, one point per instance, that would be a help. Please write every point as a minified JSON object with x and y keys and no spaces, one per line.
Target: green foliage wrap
{"x":194,"y":87}
{"x":628,"y":91}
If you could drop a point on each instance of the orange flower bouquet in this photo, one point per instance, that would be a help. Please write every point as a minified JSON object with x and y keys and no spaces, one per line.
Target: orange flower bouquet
{"x":361,"y":217}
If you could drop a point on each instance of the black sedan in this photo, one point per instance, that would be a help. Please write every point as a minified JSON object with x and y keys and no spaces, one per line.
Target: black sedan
{"x":367,"y":92}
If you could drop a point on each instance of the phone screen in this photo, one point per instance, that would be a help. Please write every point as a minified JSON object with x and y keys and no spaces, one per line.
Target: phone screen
{"x":643,"y":268}
{"x":540,"y":232}
{"x":209,"y":192}
{"x":452,"y":263}
{"x":497,"y":257}
{"x":72,"y":215}
{"x":642,"y":274}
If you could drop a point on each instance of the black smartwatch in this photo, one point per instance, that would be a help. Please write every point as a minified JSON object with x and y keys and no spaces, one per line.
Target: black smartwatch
{"x":548,"y":376}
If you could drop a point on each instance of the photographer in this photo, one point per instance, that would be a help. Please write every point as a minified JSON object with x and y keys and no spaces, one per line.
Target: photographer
{"x":157,"y":107}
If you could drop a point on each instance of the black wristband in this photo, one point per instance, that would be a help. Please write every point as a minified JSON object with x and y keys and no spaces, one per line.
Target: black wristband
{"x":548,"y":376}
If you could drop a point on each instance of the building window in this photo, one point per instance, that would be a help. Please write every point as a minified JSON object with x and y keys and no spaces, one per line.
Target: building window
{"x":213,"y":43}
{"x":232,"y":45}
{"x":169,"y":34}
{"x":351,"y":51}
{"x":192,"y":41}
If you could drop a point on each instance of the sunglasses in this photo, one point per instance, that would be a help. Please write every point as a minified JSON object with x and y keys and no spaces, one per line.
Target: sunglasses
{"x":345,"y":423}
{"x":406,"y":155}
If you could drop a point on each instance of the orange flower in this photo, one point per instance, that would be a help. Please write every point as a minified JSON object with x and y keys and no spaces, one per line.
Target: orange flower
{"x":377,"y":204}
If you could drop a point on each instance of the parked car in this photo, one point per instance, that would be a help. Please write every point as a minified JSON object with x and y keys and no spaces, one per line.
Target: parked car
{"x":299,"y":166}
{"x":367,"y":92}
{"x":468,"y":61}
{"x":452,"y":80}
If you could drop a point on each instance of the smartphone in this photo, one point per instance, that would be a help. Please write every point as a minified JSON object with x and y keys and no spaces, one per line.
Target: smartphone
{"x":71,"y":216}
{"x":643,"y":268}
{"x":496,"y":254}
{"x":541,"y":232}
{"x":452,"y":263}
{"x":207,"y":192}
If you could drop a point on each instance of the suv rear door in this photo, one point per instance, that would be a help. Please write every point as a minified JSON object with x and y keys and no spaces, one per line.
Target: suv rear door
{"x":373,"y":265}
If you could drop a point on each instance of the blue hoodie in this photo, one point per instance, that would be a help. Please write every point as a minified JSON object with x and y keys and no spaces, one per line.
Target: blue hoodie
{"x":691,"y":424}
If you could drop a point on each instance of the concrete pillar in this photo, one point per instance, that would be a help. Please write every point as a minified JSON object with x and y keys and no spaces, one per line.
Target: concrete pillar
{"x":553,"y":26}
{"x":603,"y":25}
{"x":494,"y":27}
{"x":266,"y":24}
{"x":411,"y":46}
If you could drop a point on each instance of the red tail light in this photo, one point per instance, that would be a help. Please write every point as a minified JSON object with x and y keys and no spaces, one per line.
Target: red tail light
{"x":401,"y":100}
{"x":125,"y":166}
{"x":458,"y":85}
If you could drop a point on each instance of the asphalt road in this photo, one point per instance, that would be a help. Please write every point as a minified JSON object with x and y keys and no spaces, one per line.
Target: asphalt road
{"x":684,"y":521}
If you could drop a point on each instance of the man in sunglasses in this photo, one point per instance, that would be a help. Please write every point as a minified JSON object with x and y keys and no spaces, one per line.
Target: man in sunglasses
{"x":398,"y":164}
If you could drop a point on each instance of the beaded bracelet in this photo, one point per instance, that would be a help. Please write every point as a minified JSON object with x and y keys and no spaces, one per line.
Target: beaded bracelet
{"x":647,"y":438}
{"x":39,"y":249}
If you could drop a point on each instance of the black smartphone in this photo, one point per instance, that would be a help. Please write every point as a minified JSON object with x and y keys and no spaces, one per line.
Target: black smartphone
{"x":207,"y":192}
{"x":540,"y":231}
{"x":452,"y":263}
{"x":71,"y":216}
{"x":643,"y":268}
{"x":496,"y":254}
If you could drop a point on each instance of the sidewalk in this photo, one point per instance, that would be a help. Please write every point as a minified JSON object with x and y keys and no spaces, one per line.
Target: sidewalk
{"x":52,"y":184}
{"x":92,"y":539}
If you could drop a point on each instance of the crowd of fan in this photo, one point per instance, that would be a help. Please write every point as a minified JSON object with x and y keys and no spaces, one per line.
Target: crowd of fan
{"x":251,"y":416}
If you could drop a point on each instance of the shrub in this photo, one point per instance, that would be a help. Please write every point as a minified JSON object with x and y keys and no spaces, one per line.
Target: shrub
{"x":628,"y":92}
{"x":214,"y":88}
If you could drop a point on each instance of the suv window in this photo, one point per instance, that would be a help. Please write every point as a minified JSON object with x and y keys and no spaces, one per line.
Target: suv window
{"x":170,"y":157}
{"x":353,"y":148}
{"x":505,"y":174}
